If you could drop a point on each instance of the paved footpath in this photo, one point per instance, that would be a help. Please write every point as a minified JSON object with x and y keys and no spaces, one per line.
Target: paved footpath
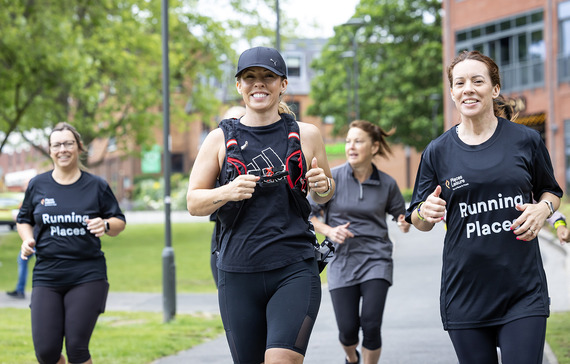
{"x":412,"y":331}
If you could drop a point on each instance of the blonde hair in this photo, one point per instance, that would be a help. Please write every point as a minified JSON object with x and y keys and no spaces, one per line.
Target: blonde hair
{"x":285,"y":109}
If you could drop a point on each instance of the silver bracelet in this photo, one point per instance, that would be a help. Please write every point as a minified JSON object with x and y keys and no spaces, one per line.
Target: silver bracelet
{"x":326,"y":193}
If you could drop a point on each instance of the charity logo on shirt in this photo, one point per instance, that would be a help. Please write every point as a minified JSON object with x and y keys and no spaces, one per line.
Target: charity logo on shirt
{"x":49,"y":202}
{"x":489,"y":206}
{"x":455,"y":183}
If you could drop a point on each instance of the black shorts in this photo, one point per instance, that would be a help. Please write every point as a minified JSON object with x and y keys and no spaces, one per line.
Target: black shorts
{"x":274,"y":309}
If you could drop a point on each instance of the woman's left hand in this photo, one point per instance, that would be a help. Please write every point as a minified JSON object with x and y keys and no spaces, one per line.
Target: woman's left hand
{"x":403,"y":224}
{"x":96,"y":226}
{"x":316,"y":178}
{"x":527,"y":226}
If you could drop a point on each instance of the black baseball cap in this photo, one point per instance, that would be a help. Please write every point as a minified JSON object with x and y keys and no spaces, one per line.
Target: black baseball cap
{"x":268,"y":58}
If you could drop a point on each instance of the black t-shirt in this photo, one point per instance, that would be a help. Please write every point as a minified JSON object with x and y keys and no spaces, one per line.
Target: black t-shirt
{"x":488,"y":276}
{"x":269,"y":232}
{"x":66,"y":252}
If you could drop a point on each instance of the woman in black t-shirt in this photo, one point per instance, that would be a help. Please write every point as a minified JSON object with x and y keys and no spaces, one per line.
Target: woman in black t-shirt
{"x":64,"y":213}
{"x":483,"y":176}
{"x":268,"y":281}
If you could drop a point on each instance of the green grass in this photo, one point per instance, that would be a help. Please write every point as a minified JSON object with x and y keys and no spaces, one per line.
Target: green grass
{"x":134,"y":264}
{"x":119,"y":338}
{"x":558,"y":335}
{"x":134,"y":258}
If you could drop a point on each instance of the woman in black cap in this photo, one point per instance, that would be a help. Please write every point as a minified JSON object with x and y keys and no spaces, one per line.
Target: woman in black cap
{"x":269,"y":287}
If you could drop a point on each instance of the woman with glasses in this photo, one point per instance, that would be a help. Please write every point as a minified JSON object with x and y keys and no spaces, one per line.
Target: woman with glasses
{"x":64,"y":214}
{"x":355,"y":220}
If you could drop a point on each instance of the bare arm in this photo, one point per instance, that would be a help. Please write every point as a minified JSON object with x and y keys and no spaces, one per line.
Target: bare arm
{"x":338,"y":234}
{"x":26,"y":233}
{"x":202,"y":198}
{"x":319,"y":171}
{"x":432,"y":211}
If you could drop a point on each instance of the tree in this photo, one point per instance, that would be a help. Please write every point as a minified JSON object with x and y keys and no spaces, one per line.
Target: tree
{"x":97,"y":64}
{"x":399,"y":55}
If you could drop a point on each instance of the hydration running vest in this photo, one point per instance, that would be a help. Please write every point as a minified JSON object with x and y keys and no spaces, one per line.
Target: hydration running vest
{"x":235,"y":165}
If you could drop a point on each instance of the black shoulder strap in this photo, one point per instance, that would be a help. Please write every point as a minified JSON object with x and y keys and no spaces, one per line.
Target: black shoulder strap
{"x":235,"y":165}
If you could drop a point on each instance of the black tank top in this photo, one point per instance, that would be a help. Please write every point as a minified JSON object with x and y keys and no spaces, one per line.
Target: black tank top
{"x":269,"y":232}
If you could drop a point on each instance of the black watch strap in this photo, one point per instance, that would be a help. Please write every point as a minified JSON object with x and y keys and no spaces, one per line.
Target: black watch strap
{"x":107,"y":227}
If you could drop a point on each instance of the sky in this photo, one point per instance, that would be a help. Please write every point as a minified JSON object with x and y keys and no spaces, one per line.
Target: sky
{"x":316,"y":18}
{"x":325,"y":13}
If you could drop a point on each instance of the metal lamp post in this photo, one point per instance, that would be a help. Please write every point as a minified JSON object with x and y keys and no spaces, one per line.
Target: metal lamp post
{"x":349,"y":114}
{"x":168,"y":267}
{"x":356,"y":22}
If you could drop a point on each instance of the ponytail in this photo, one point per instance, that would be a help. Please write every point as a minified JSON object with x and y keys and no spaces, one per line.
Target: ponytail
{"x":285,"y":109}
{"x":504,"y":108}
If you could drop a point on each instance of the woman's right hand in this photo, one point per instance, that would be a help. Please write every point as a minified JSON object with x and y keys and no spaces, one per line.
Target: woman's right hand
{"x":339,"y":233}
{"x":27,"y":248}
{"x":242,"y":187}
{"x":433,"y":209}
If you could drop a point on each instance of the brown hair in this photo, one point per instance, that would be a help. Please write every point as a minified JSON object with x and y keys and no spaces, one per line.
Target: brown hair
{"x":376,"y":133}
{"x":499,"y":106}
{"x":65,"y":126}
{"x":506,"y":109}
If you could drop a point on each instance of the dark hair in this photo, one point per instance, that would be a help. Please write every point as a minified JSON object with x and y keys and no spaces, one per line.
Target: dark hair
{"x":492,"y":68}
{"x":65,"y":126}
{"x":505,"y":108}
{"x":376,"y":133}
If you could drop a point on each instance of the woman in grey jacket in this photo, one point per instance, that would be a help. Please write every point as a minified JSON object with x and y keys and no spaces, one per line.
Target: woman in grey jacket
{"x":355,"y":220}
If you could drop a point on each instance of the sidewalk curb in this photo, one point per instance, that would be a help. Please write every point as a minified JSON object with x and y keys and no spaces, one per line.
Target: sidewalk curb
{"x":549,"y":354}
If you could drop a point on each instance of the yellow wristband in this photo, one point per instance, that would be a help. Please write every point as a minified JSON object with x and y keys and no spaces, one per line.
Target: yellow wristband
{"x":418,"y":211}
{"x":559,"y":223}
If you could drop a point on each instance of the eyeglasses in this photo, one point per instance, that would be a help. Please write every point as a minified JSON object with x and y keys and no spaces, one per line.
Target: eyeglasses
{"x":68,"y":145}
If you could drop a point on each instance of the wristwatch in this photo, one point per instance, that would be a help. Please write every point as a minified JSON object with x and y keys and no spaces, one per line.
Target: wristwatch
{"x":107,"y":227}
{"x":550,"y":207}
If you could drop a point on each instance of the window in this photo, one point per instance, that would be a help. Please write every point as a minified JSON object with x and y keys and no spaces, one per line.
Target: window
{"x":112,"y":145}
{"x":564,"y":42}
{"x":517,"y":45}
{"x":293,"y":66}
{"x":177,"y":163}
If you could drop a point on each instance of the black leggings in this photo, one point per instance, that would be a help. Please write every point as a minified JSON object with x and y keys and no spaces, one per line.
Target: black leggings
{"x":521,"y":342}
{"x":69,"y":312}
{"x":274,"y":309}
{"x":346,"y":304}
